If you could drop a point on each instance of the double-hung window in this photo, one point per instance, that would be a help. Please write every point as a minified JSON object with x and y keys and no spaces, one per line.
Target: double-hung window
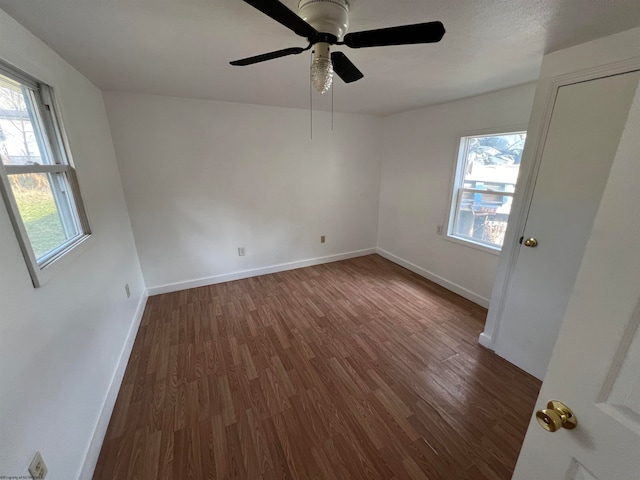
{"x":485,"y":181}
{"x":37,"y":180}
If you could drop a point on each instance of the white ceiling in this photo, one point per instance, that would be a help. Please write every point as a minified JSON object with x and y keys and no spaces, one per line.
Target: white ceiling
{"x":183,"y":47}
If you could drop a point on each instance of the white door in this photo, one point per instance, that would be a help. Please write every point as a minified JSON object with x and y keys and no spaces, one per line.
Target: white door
{"x":584,"y":133}
{"x":595,"y":367}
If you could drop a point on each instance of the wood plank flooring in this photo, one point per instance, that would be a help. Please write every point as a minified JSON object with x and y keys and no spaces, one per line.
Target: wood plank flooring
{"x":350,"y":370}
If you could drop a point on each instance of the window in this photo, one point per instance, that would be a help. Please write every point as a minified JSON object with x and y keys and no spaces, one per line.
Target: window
{"x":37,"y":181}
{"x":485,"y":181}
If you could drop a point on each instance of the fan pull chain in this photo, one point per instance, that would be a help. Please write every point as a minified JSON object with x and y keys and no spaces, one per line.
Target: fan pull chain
{"x":311,"y":97}
{"x":332,"y":89}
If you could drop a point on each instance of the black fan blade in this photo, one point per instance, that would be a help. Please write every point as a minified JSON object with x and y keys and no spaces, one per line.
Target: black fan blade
{"x":281,"y":14}
{"x":430,"y":32}
{"x":343,"y":67}
{"x":268,"y":56}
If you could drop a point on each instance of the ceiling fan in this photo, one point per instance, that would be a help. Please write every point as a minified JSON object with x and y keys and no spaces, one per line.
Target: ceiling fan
{"x":324,"y":23}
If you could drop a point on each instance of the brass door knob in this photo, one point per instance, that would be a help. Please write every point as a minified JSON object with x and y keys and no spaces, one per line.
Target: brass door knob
{"x":531,"y":242}
{"x":556,"y":416}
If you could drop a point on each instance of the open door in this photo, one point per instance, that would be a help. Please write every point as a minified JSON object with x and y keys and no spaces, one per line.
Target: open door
{"x":595,"y":364}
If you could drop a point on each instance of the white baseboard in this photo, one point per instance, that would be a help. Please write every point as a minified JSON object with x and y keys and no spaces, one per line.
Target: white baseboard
{"x":463,"y":292}
{"x":100,"y":430}
{"x":486,"y":341}
{"x":229,"y":277}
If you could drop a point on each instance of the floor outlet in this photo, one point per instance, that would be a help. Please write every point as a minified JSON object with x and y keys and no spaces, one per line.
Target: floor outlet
{"x":38,"y":469}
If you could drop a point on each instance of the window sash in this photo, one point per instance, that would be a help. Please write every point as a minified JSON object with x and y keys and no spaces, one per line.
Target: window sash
{"x":56,"y":164}
{"x":459,"y":200}
{"x":487,"y":191}
{"x":18,"y":76}
{"x":69,"y":219}
{"x":77,"y":216}
{"x":60,"y":250}
{"x":459,"y":191}
{"x":458,"y":210}
{"x":25,"y":169}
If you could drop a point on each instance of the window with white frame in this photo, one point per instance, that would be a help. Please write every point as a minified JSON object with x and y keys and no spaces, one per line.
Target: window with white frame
{"x":485,"y":181}
{"x":37,"y":180}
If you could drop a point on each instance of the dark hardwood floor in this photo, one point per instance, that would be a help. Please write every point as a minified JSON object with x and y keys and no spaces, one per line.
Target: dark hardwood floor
{"x":350,"y":370}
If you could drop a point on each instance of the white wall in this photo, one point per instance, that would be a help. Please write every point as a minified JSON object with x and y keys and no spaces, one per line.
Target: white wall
{"x":60,"y":344}
{"x":202,"y":178}
{"x":419,"y":158}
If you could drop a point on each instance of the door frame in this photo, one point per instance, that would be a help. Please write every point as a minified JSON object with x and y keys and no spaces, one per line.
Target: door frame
{"x":544,"y":103}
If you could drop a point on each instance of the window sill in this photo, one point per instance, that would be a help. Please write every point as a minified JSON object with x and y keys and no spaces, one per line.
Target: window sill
{"x":472,"y":244}
{"x":42,"y":275}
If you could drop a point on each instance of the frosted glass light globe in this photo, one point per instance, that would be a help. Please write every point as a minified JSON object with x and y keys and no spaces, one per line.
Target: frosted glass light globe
{"x":322,"y":74}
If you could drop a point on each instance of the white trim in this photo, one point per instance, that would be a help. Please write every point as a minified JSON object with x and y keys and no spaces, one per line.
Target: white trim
{"x":490,"y":132}
{"x":455,"y":182}
{"x":64,"y":258}
{"x":471,"y":244}
{"x":229,"y":277}
{"x":486,"y":341}
{"x":443,"y":282}
{"x":100,"y":429}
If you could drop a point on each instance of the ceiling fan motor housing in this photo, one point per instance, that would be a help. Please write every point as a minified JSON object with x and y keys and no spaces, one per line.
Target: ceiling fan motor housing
{"x":326,"y":16}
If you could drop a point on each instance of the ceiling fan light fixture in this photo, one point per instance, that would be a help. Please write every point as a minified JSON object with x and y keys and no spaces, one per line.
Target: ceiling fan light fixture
{"x":321,"y":68}
{"x":324,"y":23}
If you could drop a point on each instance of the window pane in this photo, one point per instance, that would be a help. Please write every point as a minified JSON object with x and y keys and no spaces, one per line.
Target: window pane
{"x":491,"y":162}
{"x":44,"y":205}
{"x":20,"y":142}
{"x":482,"y":217}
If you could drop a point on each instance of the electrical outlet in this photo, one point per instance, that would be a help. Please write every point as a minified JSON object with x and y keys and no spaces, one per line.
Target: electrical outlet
{"x":127,"y":290}
{"x":241,"y":251}
{"x":323,"y":239}
{"x":439,"y":229}
{"x":38,"y":469}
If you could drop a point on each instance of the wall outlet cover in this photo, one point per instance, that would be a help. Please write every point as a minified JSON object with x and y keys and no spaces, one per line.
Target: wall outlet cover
{"x":242,"y":251}
{"x":323,"y":239}
{"x":37,"y":468}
